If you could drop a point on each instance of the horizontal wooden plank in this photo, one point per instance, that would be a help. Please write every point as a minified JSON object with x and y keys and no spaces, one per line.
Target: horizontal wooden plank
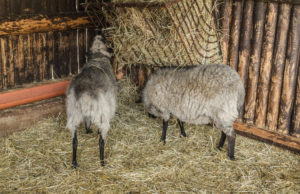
{"x":42,"y":24}
{"x":20,"y":118}
{"x":28,"y":95}
{"x":285,"y":141}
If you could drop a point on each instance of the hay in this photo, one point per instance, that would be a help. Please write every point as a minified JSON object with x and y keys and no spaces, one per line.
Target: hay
{"x":184,"y":34}
{"x":39,"y":159}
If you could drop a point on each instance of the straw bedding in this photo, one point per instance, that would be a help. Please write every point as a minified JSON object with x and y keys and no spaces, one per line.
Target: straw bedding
{"x":39,"y":159}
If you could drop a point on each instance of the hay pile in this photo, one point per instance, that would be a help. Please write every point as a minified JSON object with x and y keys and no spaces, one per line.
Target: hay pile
{"x":39,"y":159}
{"x":183,"y":34}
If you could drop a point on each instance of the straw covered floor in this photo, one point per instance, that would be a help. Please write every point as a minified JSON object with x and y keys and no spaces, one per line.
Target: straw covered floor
{"x":39,"y":159}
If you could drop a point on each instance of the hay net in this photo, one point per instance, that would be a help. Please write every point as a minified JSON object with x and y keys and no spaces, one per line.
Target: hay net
{"x":160,"y":33}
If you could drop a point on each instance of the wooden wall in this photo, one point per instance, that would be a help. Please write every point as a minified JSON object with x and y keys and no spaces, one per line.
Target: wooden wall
{"x":33,"y":52}
{"x":262,"y":42}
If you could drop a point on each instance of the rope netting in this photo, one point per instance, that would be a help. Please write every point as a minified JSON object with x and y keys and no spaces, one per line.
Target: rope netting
{"x":160,"y":33}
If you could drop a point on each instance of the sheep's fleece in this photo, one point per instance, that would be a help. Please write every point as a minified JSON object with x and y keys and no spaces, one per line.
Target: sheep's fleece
{"x":198,"y":95}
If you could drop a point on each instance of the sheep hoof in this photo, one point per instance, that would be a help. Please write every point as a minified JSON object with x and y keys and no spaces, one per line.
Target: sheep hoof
{"x":74,"y":164}
{"x":231,"y":158}
{"x":102,"y":163}
{"x":219,"y":148}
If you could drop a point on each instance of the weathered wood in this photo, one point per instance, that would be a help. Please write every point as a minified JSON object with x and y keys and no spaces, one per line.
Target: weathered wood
{"x":235,"y":34}
{"x":19,"y":67}
{"x":3,"y":8}
{"x":225,"y":23}
{"x":296,"y":114}
{"x":11,"y":61}
{"x":73,"y":53}
{"x":28,"y":115}
{"x":254,"y":64}
{"x":278,"y":66}
{"x":266,"y":64}
{"x":29,"y":64}
{"x":50,"y":52}
{"x":43,"y":24}
{"x":290,"y":73}
{"x":284,"y":141}
{"x":245,"y":40}
{"x":3,"y":44}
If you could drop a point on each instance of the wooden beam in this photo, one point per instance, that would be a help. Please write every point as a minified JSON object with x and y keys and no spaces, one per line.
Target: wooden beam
{"x":22,"y":117}
{"x":285,"y":141}
{"x":42,"y":24}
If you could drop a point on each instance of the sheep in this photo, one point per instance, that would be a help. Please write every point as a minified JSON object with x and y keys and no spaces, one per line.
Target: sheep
{"x":201,"y":94}
{"x":91,"y":96}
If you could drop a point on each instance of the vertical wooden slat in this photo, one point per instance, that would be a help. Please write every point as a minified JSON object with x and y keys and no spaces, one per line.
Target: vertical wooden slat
{"x":278,"y":66}
{"x":296,"y":112}
{"x":29,"y":71}
{"x":225,"y":23}
{"x":259,"y":17}
{"x":73,"y":52}
{"x":20,"y":60}
{"x":3,"y":45}
{"x":44,"y":66}
{"x":36,"y":7}
{"x":3,"y":10}
{"x":235,"y":34}
{"x":11,"y":61}
{"x":37,"y":57}
{"x":245,"y":44}
{"x":266,"y":63}
{"x":50,"y":53}
{"x":82,"y":47}
{"x":290,"y":73}
{"x":15,"y":7}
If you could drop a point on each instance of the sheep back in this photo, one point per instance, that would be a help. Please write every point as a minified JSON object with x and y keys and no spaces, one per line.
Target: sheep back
{"x":198,"y":95}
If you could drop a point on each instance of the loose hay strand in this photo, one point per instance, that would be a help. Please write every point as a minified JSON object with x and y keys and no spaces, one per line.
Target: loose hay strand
{"x":39,"y":158}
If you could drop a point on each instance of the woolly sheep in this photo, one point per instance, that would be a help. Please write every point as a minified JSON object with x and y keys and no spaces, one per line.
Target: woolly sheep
{"x":91,"y":96}
{"x":199,"y":95}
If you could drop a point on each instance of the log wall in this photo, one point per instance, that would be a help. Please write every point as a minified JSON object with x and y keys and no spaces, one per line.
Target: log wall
{"x":41,"y":40}
{"x":262,"y":42}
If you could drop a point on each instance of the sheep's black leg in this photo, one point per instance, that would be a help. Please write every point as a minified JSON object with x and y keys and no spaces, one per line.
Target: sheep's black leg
{"x":87,"y":124}
{"x":231,"y":144}
{"x":164,"y":131}
{"x":101,"y":150}
{"x":222,"y":140}
{"x":151,"y":116}
{"x":75,"y":142}
{"x":181,"y":128}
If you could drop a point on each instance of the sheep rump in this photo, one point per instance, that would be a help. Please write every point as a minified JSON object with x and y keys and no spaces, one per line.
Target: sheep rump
{"x":199,"y":95}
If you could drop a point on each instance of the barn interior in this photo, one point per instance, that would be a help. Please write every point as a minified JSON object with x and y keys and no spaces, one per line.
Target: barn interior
{"x":43,"y":44}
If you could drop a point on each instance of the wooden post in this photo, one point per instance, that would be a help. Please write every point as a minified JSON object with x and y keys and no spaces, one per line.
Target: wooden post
{"x":3,"y":44}
{"x":235,"y":34}
{"x":20,"y":60}
{"x":250,"y":100}
{"x":290,"y":73}
{"x":278,"y":66}
{"x":245,"y":44}
{"x":50,"y":51}
{"x":11,"y":62}
{"x":226,"y":13}
{"x":266,"y":64}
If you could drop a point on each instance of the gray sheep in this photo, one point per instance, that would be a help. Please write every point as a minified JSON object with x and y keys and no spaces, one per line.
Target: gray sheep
{"x":91,"y":96}
{"x":198,"y":95}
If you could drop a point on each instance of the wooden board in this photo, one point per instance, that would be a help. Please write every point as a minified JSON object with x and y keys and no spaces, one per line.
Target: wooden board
{"x":16,"y":119}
